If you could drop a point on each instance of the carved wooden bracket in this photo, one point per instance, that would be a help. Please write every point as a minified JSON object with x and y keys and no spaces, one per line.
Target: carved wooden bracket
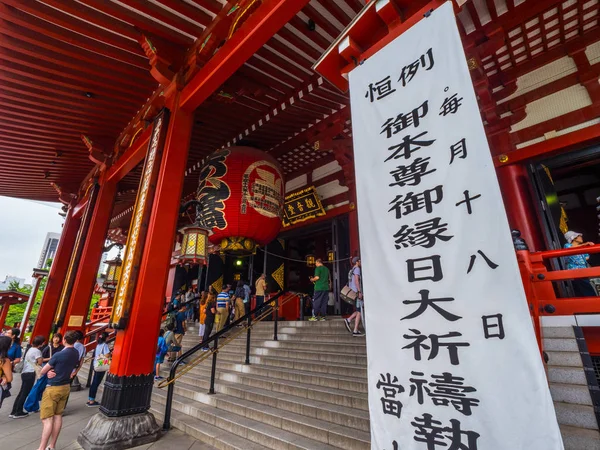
{"x":160,"y":66}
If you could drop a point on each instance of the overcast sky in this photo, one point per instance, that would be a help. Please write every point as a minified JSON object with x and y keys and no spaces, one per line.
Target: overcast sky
{"x":23,"y":228}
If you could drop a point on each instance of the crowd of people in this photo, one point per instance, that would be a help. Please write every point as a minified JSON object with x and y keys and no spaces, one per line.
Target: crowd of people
{"x":47,"y":372}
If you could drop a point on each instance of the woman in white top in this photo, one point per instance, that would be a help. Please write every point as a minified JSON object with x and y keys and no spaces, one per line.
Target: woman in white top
{"x":102,"y":348}
{"x":33,"y":360}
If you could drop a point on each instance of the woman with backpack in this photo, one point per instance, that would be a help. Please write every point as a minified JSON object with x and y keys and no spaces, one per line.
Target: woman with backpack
{"x":172,"y":347}
{"x":101,"y":356}
{"x":32,"y":362}
{"x":210,"y":311}
{"x":161,"y":350}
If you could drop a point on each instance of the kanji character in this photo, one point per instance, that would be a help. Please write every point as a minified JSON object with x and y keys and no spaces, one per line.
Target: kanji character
{"x":409,"y":71}
{"x":412,"y":174}
{"x":429,"y":431}
{"x":450,"y":105}
{"x":468,"y":200}
{"x":380,"y":89}
{"x":419,"y":339}
{"x":490,"y":322}
{"x":412,"y":268}
{"x":459,"y":149}
{"x":300,"y":206}
{"x":391,"y":388}
{"x":291,"y":210}
{"x":411,"y":202}
{"x":455,"y":436}
{"x":408,"y":146}
{"x":425,"y":302}
{"x":489,"y":262}
{"x":402,"y":121}
{"x":447,"y":389}
{"x":309,"y":203}
{"x":424,"y":234}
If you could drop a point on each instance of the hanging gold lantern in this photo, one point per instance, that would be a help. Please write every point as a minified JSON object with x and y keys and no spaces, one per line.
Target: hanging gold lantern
{"x":194,"y":246}
{"x":330,"y":256}
{"x":113,"y":272}
{"x":310,"y":260}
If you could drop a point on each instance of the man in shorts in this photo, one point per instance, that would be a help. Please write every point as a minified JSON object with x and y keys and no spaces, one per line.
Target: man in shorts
{"x":60,"y":370}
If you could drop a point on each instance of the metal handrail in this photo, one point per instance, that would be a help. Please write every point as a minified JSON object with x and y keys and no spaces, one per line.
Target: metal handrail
{"x":260,"y":315}
{"x":564,"y":252}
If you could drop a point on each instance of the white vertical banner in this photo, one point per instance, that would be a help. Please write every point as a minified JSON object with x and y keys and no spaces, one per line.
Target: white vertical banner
{"x":453,"y":362}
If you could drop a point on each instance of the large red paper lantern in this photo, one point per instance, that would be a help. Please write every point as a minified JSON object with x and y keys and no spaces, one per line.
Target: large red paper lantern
{"x":240,"y":195}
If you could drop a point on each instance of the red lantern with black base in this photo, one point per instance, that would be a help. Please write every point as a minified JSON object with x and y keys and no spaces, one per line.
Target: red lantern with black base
{"x":241,"y":195}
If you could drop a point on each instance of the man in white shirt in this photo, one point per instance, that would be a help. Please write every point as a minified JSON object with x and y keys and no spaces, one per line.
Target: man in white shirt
{"x":33,"y":360}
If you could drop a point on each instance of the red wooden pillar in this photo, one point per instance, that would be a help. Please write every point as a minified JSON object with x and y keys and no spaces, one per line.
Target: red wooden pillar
{"x":87,"y":272}
{"x":3,"y":314}
{"x":135,"y":347}
{"x":128,"y":386}
{"x":518,"y":201}
{"x":39,"y":276}
{"x":56,"y":279}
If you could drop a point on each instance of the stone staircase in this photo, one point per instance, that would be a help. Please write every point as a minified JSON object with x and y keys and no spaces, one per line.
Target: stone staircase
{"x":569,"y":389}
{"x":308,"y":390}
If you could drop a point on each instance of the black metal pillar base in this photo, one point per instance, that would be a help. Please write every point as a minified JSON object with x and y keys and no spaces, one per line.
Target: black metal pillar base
{"x":124,"y":420}
{"x":119,"y":433}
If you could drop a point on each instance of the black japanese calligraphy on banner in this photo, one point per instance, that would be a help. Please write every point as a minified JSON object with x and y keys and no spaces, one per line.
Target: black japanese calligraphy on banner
{"x":302,"y":205}
{"x":438,"y":260}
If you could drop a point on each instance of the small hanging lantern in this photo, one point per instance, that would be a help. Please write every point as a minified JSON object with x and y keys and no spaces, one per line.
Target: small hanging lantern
{"x":310,"y":260}
{"x":194,"y":246}
{"x":113,"y":272}
{"x":330,"y":256}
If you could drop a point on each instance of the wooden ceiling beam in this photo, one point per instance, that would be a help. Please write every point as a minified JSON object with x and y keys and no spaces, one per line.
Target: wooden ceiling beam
{"x":122,"y":90}
{"x":321,"y":22}
{"x":196,"y":14}
{"x":41,"y":125}
{"x":9,"y":64}
{"x":96,"y":72}
{"x":311,"y":35}
{"x":165,"y":16}
{"x":29,"y":37}
{"x":83,"y":104}
{"x":57,"y":17}
{"x":36,"y":116}
{"x":33,"y":23}
{"x":214,"y":6}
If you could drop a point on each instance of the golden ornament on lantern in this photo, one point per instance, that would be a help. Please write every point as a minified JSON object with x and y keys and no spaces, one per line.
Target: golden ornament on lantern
{"x":310,"y":260}
{"x":113,"y":272}
{"x":194,"y":246}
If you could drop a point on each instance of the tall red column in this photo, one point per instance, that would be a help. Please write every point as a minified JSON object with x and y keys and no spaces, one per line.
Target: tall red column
{"x":518,"y":201}
{"x":3,"y":314}
{"x":56,"y":279}
{"x":135,"y":347}
{"x":39,"y":276}
{"x":87,"y":272}
{"x":128,"y":387}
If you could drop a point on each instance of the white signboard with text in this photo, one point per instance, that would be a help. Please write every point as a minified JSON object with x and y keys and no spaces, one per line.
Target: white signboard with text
{"x":453,"y":359}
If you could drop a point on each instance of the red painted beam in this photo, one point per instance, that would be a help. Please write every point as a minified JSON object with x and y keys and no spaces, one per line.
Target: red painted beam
{"x":258,"y":29}
{"x":165,"y":16}
{"x":213,"y":6}
{"x":130,"y":159}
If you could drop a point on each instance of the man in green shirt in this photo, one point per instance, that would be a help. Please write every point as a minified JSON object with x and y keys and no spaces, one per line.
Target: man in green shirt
{"x":321,"y":297}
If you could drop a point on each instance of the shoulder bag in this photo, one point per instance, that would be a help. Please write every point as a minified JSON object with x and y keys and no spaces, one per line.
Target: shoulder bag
{"x":103,"y":360}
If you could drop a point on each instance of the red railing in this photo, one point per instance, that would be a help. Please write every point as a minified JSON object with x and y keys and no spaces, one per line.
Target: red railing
{"x":540,"y":291}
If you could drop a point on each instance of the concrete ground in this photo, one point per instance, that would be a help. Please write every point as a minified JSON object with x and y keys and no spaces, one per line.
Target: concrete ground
{"x":25,"y":434}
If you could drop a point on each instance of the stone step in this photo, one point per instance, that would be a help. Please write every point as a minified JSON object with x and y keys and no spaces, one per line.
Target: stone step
{"x":571,"y":393}
{"x":300,"y":364}
{"x":204,"y":405}
{"x":566,"y":375}
{"x":297,"y":391}
{"x":319,"y":379}
{"x":337,"y":323}
{"x":332,"y":406}
{"x":580,"y":416}
{"x":580,"y":439}
{"x":344,"y":358}
{"x":261,"y":433}
{"x":355,"y":347}
{"x":560,"y":345}
{"x":558,"y":332}
{"x":570,"y":359}
{"x":204,"y":432}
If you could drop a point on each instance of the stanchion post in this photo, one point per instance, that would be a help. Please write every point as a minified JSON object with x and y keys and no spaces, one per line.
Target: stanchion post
{"x":248,"y":331}
{"x":213,"y":370}
{"x":275,"y":319}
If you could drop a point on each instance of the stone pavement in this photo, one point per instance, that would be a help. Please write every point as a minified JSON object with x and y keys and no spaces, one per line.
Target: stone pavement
{"x":24,"y":434}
